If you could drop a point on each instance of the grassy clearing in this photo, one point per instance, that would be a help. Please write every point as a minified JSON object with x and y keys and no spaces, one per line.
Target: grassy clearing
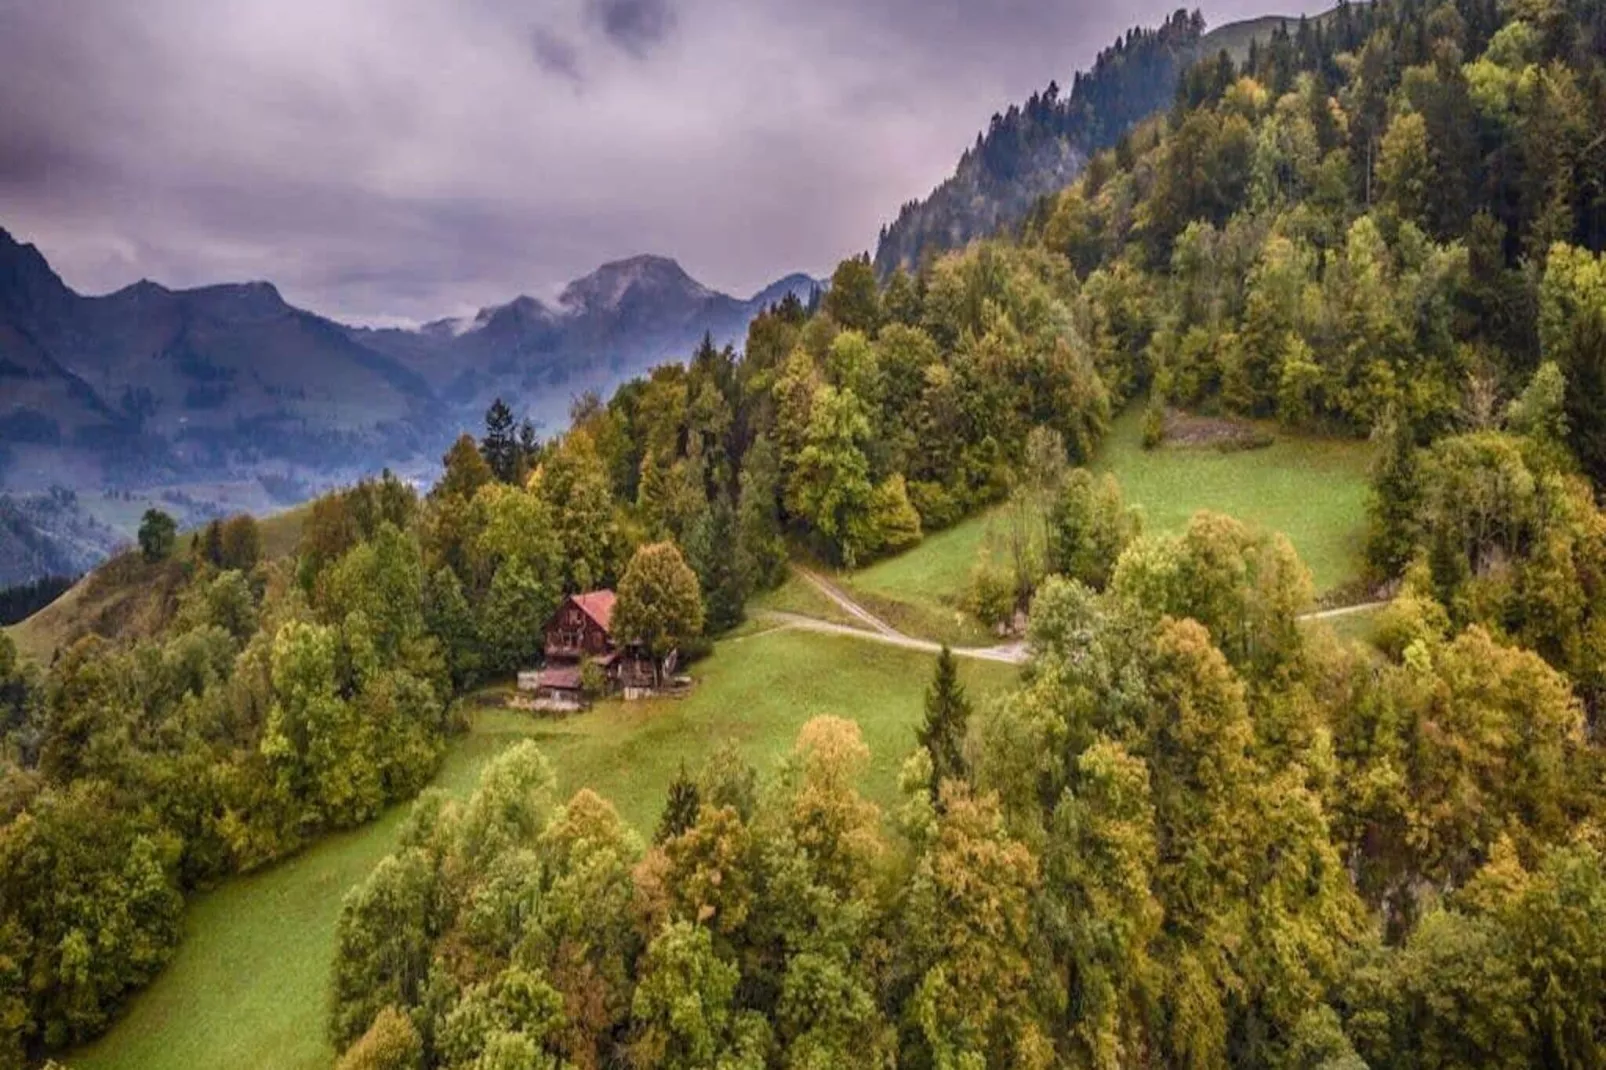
{"x":248,"y":987}
{"x":919,"y":592}
{"x":1311,"y":489}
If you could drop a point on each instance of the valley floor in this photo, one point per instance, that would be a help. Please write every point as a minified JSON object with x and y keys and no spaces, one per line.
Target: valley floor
{"x":247,"y":988}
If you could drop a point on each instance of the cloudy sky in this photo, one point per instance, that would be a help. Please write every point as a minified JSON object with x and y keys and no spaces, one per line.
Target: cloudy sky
{"x":387,"y":160}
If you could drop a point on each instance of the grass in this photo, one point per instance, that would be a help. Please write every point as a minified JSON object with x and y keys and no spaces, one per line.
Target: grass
{"x":1311,"y":489}
{"x":919,"y":592}
{"x":797,"y":595}
{"x":39,"y":636}
{"x":248,"y":986}
{"x":125,"y":596}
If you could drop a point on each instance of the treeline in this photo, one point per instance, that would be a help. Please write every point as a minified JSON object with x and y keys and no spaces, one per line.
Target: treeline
{"x":1027,"y":152}
{"x":22,"y":601}
{"x":1194,"y":836}
{"x":855,"y":429}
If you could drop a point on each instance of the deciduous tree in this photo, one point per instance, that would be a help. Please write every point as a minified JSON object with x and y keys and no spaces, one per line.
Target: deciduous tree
{"x":660,"y":605}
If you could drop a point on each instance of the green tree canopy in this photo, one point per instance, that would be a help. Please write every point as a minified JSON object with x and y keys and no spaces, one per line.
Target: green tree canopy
{"x":660,"y":605}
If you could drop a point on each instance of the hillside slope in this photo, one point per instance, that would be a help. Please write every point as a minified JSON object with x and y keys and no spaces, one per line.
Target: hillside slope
{"x":126,"y":598}
{"x":1034,"y":150}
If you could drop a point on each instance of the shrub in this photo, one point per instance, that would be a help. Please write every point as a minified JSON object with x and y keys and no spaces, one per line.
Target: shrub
{"x":1153,"y":426}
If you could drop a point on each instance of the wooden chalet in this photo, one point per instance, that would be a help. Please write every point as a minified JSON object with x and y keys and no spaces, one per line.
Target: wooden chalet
{"x":581,"y":631}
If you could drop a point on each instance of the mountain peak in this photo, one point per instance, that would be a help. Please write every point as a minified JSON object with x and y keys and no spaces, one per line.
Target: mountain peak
{"x":607,"y":288}
{"x":798,"y":283}
{"x":13,"y":251}
{"x":523,"y":309}
{"x":26,"y":277}
{"x":143,"y":288}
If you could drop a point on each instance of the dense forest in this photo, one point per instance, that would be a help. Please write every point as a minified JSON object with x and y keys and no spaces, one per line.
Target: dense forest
{"x":1194,"y":835}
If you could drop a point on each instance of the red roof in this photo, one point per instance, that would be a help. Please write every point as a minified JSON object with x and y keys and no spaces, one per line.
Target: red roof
{"x":598,"y":605}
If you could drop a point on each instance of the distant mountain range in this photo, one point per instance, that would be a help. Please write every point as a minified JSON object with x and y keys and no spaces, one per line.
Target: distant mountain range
{"x":150,"y":386}
{"x":619,"y":320}
{"x":174,"y":393}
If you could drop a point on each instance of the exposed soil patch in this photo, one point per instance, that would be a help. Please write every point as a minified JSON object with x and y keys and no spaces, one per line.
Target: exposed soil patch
{"x":1195,"y":432}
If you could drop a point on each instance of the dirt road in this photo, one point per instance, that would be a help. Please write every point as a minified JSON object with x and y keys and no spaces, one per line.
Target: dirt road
{"x":876,"y":630}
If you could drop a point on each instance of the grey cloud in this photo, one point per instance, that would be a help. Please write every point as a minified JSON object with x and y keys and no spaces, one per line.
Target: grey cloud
{"x":555,"y":54}
{"x":634,"y":25}
{"x":447,"y":162}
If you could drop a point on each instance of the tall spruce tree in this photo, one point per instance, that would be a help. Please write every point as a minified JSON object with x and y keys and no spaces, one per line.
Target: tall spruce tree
{"x":710,"y":547}
{"x":1395,"y":506}
{"x":212,"y":547}
{"x":500,"y":444}
{"x":947,"y":720}
{"x":680,"y":808}
{"x":760,"y":544}
{"x":529,"y":447}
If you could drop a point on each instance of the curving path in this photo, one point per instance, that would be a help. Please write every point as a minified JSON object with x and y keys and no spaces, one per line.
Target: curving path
{"x":877,"y":630}
{"x":1344,"y":611}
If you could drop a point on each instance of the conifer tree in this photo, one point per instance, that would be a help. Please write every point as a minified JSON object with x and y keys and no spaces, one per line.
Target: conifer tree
{"x":157,"y":533}
{"x":1394,"y":510}
{"x":680,"y":809}
{"x":709,"y":547}
{"x":500,"y":444}
{"x":947,"y":719}
{"x":761,"y":546}
{"x":212,"y":547}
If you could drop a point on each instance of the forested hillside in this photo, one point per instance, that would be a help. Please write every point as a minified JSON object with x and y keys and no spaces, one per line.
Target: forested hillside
{"x":1030,"y":151}
{"x":1198,"y":833}
{"x":1027,"y":152}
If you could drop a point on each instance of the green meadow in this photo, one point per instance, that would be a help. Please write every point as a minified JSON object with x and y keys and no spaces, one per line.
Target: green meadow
{"x":248,"y":986}
{"x":1311,"y":489}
